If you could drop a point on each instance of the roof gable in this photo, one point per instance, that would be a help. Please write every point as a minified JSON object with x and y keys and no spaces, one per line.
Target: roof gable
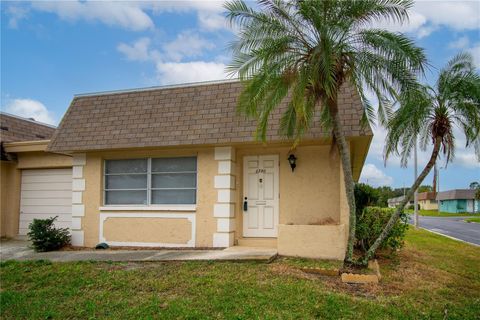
{"x":197,"y":114}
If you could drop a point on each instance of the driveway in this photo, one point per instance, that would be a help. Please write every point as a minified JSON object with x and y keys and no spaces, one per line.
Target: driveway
{"x":454,"y":227}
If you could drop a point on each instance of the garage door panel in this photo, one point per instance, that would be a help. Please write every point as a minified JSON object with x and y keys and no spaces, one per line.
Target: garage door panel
{"x":42,"y":194}
{"x":46,"y":172}
{"x":47,"y":186}
{"x":46,"y":209}
{"x":47,"y":178}
{"x":47,"y":202}
{"x":46,"y":193}
{"x":59,"y":224}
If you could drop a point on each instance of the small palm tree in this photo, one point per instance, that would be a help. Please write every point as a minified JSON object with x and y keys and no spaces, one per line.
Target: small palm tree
{"x":308,"y":50}
{"x":430,"y":114}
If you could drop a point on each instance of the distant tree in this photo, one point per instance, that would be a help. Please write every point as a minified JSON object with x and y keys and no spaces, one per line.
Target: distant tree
{"x":425,"y":188}
{"x":474,"y":185}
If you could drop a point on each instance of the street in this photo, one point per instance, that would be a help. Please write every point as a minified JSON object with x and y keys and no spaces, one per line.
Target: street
{"x":454,"y":227}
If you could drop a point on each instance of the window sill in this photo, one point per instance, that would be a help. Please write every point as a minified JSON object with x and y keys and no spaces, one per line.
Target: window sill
{"x":180,"y":207}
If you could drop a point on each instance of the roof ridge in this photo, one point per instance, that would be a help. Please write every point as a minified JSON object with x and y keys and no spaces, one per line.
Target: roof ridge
{"x":168,"y":86}
{"x":28,"y":120}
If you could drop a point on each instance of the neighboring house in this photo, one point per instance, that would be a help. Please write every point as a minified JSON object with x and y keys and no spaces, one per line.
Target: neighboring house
{"x":427,"y":201}
{"x":458,"y":200}
{"x":394,"y":202}
{"x":177,"y":166}
{"x":34,"y":183}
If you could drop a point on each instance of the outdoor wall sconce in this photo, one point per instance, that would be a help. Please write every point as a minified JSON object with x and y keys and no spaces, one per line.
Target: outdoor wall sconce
{"x":293,"y":161}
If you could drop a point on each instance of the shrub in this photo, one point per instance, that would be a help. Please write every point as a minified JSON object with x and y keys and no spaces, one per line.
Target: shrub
{"x":365,"y":196}
{"x":370,"y":224}
{"x":46,"y":237}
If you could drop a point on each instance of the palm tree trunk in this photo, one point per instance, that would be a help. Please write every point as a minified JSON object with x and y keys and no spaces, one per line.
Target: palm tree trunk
{"x":393,"y":219}
{"x":344,"y":151}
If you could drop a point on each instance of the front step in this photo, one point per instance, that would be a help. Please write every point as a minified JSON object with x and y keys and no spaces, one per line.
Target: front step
{"x":258,"y":242}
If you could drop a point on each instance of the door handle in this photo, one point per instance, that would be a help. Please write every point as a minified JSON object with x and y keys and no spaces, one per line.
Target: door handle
{"x":245,"y":204}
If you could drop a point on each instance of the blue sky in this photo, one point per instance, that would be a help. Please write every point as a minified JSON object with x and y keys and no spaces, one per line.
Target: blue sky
{"x":53,"y":50}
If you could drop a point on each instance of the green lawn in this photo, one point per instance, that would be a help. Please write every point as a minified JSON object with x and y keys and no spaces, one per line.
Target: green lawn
{"x":435,"y":213}
{"x":433,"y":277}
{"x":476,"y":220}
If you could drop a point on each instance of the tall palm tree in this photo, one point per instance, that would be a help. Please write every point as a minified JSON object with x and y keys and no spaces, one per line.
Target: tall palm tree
{"x":430,"y":114}
{"x":309,"y":49}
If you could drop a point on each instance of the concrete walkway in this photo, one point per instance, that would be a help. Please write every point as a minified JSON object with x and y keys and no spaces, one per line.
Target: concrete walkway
{"x":19,"y":250}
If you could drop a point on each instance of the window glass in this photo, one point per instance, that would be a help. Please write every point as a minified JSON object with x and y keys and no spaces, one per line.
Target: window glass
{"x":173,"y":196}
{"x":126,"y":197}
{"x":128,"y":181}
{"x":174,"y":180}
{"x":126,"y":166}
{"x":174,"y":165}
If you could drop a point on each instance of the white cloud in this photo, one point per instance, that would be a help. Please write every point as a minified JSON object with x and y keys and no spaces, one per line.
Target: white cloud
{"x":475,"y":51}
{"x":138,"y":51}
{"x":374,"y":176}
{"x":125,"y":14}
{"x":467,"y":159}
{"x":16,"y":13}
{"x":460,"y":43}
{"x":182,"y":72}
{"x":29,"y":108}
{"x":187,"y":44}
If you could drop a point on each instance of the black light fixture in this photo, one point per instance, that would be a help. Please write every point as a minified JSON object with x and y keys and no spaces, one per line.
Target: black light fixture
{"x":293,"y":161}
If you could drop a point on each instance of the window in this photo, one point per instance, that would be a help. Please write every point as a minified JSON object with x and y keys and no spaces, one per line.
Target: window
{"x":151,"y":181}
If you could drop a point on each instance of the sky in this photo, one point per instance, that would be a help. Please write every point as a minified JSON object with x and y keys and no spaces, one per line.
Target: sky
{"x":53,"y":50}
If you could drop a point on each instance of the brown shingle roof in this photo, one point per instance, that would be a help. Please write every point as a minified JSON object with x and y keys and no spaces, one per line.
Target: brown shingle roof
{"x":196,"y":114}
{"x":456,"y":194}
{"x":427,"y":195}
{"x":15,"y":129}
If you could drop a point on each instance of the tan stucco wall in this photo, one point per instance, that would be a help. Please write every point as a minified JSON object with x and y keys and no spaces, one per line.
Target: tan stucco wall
{"x":426,"y":205}
{"x":161,"y":230}
{"x":10,"y":178}
{"x":308,"y":195}
{"x":39,"y":160}
{"x":206,"y":195}
{"x":319,"y":242}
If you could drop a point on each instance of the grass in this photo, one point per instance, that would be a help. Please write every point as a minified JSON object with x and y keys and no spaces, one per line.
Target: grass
{"x":423,"y":281}
{"x":476,"y":220}
{"x":435,"y":213}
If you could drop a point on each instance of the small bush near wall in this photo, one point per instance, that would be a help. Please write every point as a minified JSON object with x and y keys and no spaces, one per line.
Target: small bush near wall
{"x":370,"y":224}
{"x":45,"y":237}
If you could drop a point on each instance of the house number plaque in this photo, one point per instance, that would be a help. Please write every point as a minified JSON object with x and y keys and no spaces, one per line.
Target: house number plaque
{"x":260,"y":171}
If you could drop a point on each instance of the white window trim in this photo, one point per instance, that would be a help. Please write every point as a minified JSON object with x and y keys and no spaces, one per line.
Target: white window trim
{"x":166,"y":207}
{"x":162,"y":207}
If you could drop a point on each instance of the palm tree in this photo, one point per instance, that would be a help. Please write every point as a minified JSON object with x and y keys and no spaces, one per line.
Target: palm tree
{"x":430,"y":114}
{"x":307,"y":50}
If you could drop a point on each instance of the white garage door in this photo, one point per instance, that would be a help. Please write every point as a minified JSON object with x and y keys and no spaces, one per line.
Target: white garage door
{"x":46,"y":193}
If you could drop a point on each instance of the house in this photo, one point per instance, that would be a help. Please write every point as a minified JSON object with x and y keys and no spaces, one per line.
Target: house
{"x":427,"y":200}
{"x":458,"y":200}
{"x":177,"y":166}
{"x":34,"y":183}
{"x":394,"y":202}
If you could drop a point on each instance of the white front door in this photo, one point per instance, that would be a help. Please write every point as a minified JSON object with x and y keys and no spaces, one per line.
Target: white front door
{"x":260,"y":191}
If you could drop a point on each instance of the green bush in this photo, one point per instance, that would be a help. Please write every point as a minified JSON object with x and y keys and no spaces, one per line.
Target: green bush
{"x":370,"y":224}
{"x":46,"y":237}
{"x":365,"y":196}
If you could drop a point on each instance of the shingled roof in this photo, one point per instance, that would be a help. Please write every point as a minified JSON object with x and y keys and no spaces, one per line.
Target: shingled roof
{"x":456,"y":194}
{"x":193,"y":114}
{"x":15,"y":129}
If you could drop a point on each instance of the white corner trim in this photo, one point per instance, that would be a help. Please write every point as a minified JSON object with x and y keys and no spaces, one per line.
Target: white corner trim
{"x":181,"y":208}
{"x":78,"y":184}
{"x":189,"y":216}
{"x":223,"y":210}
{"x":76,"y":223}
{"x":224,"y":182}
{"x":226,"y":167}
{"x":78,"y":210}
{"x":79,"y":159}
{"x":223,"y":240}
{"x":225,"y":196}
{"x":224,"y":153}
{"x":77,"y":172}
{"x":77,"y":197}
{"x":77,"y":238}
{"x":225,"y":225}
